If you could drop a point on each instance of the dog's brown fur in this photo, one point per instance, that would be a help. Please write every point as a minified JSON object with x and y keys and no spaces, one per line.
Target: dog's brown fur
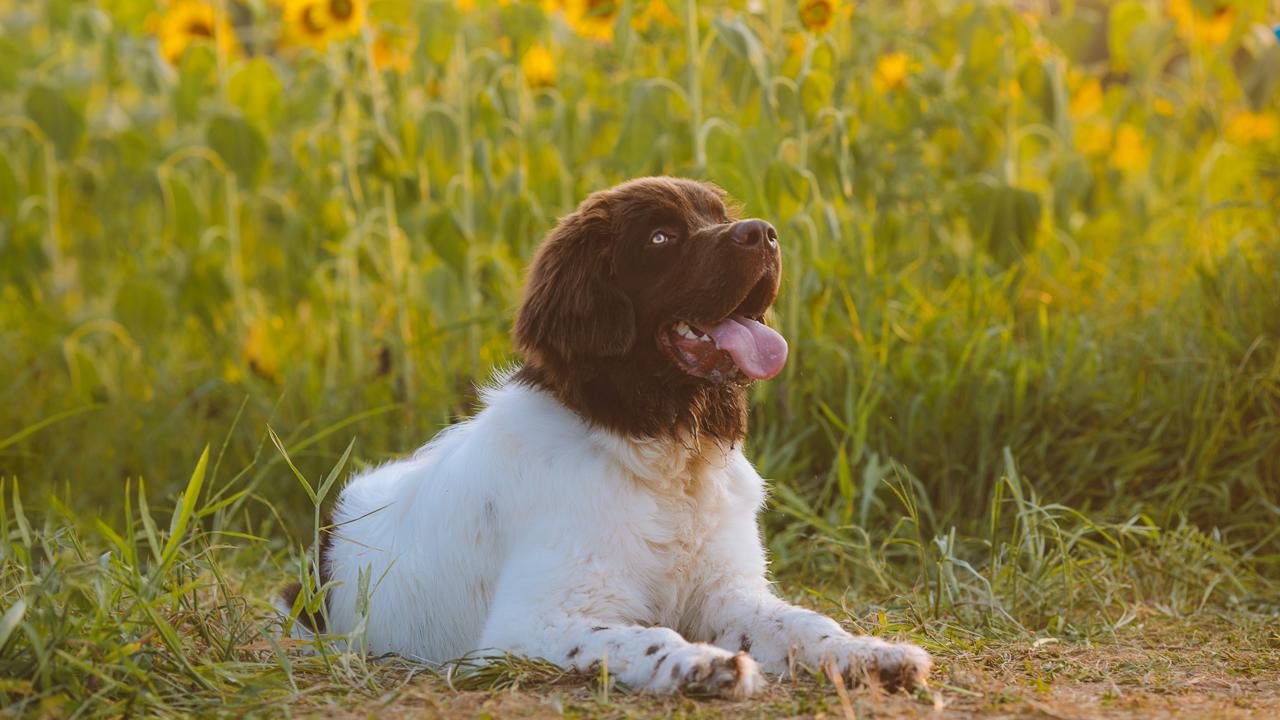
{"x":599,"y":293}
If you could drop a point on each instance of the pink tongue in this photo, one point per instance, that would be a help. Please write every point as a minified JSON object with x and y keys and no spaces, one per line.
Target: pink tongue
{"x":758,"y":350}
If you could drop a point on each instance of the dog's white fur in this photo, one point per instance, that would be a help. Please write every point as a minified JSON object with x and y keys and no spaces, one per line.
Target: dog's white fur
{"x":528,"y":531}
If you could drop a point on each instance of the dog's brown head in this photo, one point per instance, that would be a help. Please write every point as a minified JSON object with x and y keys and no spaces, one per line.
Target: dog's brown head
{"x":644,"y":310}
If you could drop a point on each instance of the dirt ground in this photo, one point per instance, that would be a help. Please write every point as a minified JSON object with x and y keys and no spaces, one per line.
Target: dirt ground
{"x":1160,"y":669}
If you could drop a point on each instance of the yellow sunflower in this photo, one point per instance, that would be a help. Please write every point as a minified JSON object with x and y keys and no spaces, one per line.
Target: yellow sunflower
{"x":655,"y":12}
{"x":345,"y":17}
{"x":260,"y":349}
{"x":539,"y":67}
{"x":1248,"y":127}
{"x":1209,"y":23}
{"x":1092,"y":137}
{"x":1130,"y":152}
{"x":393,"y":49}
{"x":592,"y":19}
{"x":820,"y":16}
{"x":1163,"y":106}
{"x":891,"y":71}
{"x":1086,"y":100}
{"x":318,"y":22}
{"x":305,"y":23}
{"x":189,"y":21}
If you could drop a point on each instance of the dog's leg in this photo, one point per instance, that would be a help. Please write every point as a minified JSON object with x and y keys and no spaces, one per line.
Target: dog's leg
{"x":746,"y":616}
{"x":645,"y":658}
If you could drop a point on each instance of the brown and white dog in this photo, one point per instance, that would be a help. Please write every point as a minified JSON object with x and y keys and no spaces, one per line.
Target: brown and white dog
{"x":599,"y":508}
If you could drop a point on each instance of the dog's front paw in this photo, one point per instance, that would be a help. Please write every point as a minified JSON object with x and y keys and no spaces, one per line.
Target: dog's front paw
{"x":705,"y":670}
{"x":891,"y":665}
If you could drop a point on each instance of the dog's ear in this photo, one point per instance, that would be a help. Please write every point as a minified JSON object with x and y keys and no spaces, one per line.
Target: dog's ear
{"x":573,"y":308}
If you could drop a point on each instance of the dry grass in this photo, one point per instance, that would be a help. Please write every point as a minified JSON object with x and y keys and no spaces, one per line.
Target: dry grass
{"x":1204,"y":667}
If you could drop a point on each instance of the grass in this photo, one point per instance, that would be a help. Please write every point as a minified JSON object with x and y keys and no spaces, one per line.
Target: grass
{"x":1032,"y":419}
{"x":142,"y":620}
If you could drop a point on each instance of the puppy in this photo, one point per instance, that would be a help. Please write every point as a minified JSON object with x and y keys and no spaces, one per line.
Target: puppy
{"x":599,"y":508}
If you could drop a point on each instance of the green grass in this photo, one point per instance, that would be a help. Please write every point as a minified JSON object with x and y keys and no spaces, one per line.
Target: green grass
{"x":140,"y":619}
{"x":1034,"y":392}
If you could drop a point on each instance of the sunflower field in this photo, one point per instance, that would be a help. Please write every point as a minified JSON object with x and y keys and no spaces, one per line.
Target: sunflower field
{"x":1031,"y":286}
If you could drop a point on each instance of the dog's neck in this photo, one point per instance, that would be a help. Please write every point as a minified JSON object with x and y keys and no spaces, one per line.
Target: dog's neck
{"x":621,"y":398}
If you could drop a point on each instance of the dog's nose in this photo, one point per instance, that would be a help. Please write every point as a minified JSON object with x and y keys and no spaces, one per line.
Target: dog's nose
{"x":750,"y":233}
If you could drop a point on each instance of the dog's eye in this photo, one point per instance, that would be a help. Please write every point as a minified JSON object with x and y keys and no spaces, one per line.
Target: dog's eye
{"x":659,"y":238}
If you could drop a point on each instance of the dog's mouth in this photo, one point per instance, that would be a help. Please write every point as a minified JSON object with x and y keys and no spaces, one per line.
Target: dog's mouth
{"x":734,"y":346}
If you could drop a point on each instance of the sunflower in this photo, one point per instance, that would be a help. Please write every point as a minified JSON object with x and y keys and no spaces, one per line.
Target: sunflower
{"x":592,"y":19}
{"x":655,"y":12}
{"x":539,"y":67}
{"x":392,"y":49}
{"x":1209,"y":23}
{"x":189,"y":21}
{"x":345,"y":17}
{"x":1086,"y":100}
{"x":1092,"y":137}
{"x":891,"y":71}
{"x":318,"y":22}
{"x":305,"y":24}
{"x":1248,"y":127}
{"x":1130,"y":153}
{"x":260,"y":351}
{"x":820,"y":15}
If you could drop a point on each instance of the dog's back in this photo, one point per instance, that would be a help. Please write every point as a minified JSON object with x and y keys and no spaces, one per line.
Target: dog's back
{"x":415,"y":547}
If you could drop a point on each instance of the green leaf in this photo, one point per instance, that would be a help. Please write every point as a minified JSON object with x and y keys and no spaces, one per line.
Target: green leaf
{"x":12,"y":617}
{"x":394,"y":12}
{"x":445,"y":234}
{"x":197,"y":80}
{"x":743,"y":43}
{"x":90,"y":25}
{"x":844,"y":480}
{"x":142,"y":305}
{"x":1261,"y":77}
{"x":60,"y":121}
{"x":815,"y":92}
{"x":519,"y":222}
{"x":183,"y":513}
{"x":438,"y":23}
{"x":335,"y":472}
{"x":11,"y":59}
{"x":524,"y":23}
{"x":9,"y":193}
{"x":786,"y":189}
{"x":129,"y":15}
{"x":256,"y":90}
{"x":176,"y":647}
{"x":148,"y":522}
{"x":1002,"y":218}
{"x":183,"y":211}
{"x":306,"y":485}
{"x":38,"y":426}
{"x":1124,"y":19}
{"x":240,"y":146}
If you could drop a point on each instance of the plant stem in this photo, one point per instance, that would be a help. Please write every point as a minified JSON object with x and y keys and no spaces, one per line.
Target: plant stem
{"x":695,"y":82}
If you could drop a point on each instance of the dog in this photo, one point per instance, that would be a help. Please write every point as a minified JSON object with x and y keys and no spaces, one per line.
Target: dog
{"x":598,"y":508}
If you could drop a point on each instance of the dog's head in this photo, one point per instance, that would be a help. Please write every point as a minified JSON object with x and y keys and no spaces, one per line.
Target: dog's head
{"x":644,"y":308}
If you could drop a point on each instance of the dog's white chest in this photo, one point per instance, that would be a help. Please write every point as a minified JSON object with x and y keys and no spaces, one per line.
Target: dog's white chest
{"x":683,"y":511}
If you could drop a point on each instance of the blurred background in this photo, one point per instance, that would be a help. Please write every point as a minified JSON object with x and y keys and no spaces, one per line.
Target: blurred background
{"x":1032,"y":249}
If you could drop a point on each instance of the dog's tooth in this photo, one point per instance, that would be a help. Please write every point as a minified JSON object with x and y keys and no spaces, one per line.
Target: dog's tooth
{"x":683,"y":330}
